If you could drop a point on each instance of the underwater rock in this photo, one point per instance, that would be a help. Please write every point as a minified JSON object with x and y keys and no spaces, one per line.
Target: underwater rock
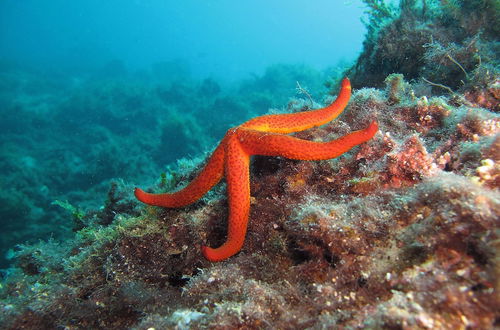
{"x":400,"y":232}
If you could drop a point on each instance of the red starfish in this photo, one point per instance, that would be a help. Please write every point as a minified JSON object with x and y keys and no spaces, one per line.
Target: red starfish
{"x":259,"y":136}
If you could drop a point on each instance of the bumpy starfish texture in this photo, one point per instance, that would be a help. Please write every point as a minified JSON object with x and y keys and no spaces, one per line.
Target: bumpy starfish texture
{"x":259,"y":136}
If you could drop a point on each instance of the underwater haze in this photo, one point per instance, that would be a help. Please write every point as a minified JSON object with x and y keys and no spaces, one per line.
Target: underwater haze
{"x":220,"y":38}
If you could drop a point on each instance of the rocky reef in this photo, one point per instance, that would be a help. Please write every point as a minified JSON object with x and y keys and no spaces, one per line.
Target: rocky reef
{"x":402,"y":232}
{"x":446,"y":43}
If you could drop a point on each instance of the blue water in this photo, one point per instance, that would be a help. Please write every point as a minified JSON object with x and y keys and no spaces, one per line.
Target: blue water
{"x":224,"y":38}
{"x":95,"y":92}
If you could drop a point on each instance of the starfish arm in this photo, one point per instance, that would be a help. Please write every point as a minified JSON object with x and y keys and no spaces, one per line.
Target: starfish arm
{"x":296,"y":122}
{"x":209,"y":176}
{"x":269,"y":144}
{"x":237,"y":163}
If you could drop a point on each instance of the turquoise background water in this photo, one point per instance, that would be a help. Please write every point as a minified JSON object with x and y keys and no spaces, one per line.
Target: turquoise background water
{"x":222,"y":38}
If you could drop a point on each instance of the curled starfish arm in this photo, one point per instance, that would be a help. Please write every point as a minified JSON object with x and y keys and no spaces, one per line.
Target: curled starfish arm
{"x":238,"y":191}
{"x":296,"y":122}
{"x":270,"y":144}
{"x":209,"y":176}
